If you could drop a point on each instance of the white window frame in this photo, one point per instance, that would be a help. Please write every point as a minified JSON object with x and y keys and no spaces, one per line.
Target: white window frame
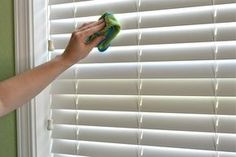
{"x":26,"y":57}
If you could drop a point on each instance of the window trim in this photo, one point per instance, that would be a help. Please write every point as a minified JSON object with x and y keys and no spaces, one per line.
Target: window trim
{"x":26,"y":48}
{"x":23,"y":25}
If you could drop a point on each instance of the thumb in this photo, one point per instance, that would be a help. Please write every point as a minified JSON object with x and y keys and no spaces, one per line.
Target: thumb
{"x":96,"y":41}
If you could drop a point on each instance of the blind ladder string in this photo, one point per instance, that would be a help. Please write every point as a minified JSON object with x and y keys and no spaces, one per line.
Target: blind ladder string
{"x":77,"y":109}
{"x":139,"y":83}
{"x":77,"y":129}
{"x":216,"y":82}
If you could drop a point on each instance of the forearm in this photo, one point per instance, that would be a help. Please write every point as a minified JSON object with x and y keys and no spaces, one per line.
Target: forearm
{"x":19,"y":89}
{"x":16,"y":91}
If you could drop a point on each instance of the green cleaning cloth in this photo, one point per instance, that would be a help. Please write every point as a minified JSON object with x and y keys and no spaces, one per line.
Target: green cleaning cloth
{"x":110,"y":31}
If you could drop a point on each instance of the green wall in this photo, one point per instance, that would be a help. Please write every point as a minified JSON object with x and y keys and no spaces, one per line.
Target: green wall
{"x":8,"y":147}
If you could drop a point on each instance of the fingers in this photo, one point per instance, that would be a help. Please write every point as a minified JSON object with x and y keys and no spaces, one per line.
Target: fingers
{"x":84,"y":24}
{"x":94,"y":29}
{"x":96,"y":41}
{"x":92,"y":25}
{"x":89,"y":25}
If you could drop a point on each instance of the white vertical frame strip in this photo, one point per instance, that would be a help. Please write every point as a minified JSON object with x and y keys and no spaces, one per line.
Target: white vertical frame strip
{"x":30,"y":51}
{"x":23,"y":13}
{"x":42,"y":100}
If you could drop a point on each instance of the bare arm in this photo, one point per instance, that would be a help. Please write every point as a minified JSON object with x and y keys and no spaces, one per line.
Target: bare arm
{"x":19,"y":89}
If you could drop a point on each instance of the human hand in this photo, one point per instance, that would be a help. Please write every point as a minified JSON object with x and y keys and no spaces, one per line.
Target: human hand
{"x":77,"y":47}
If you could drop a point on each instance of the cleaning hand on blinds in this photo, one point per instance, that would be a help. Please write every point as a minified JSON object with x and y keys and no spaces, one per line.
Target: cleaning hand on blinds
{"x":110,"y":31}
{"x":14,"y":92}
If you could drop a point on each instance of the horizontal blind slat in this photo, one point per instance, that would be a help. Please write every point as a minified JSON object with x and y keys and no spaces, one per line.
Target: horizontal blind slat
{"x":174,"y":87}
{"x":160,"y":138}
{"x":168,"y":104}
{"x":171,"y":35}
{"x":160,"y":121}
{"x":53,"y":2}
{"x":98,"y":8}
{"x":197,"y":69}
{"x":163,"y":18}
{"x":123,"y":6}
{"x":156,"y":53}
{"x":112,"y":150}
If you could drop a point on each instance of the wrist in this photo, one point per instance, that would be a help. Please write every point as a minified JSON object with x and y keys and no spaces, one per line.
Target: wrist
{"x":70,"y":57}
{"x":65,"y":61}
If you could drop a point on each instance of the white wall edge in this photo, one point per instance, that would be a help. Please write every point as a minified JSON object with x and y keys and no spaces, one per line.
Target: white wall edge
{"x":24,"y":60}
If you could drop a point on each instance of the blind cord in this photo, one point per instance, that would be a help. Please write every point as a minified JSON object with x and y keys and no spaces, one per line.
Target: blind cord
{"x":74,"y":15}
{"x":77,"y":110}
{"x":216,"y":83}
{"x":139,"y":82}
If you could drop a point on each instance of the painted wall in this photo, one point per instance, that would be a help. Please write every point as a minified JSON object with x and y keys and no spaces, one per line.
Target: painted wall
{"x":8,"y":147}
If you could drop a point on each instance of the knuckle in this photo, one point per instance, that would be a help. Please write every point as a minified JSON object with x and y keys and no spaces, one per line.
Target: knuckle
{"x":77,"y":36}
{"x":74,"y":33}
{"x":84,"y":24}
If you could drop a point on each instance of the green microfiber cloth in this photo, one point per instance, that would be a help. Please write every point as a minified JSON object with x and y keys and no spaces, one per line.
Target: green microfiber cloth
{"x":110,"y":31}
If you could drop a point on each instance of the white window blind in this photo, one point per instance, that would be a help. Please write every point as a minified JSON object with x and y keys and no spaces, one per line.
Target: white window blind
{"x":166,"y":87}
